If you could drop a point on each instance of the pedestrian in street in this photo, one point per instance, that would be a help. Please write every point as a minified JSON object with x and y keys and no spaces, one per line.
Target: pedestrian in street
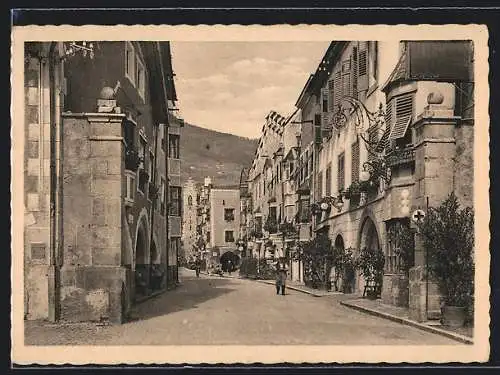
{"x":281,"y":274}
{"x":229,"y":267}
{"x":198,"y":267}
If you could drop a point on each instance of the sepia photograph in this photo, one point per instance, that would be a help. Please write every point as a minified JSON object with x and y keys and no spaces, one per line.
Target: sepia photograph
{"x":268,"y":196}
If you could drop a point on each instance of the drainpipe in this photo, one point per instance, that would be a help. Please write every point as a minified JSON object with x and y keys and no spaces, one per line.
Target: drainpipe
{"x":153,"y":201}
{"x":53,"y":188}
{"x":167,"y":179}
{"x":427,"y":271}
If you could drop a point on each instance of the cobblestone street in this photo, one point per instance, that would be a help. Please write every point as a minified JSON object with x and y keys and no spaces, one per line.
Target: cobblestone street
{"x":215,"y":311}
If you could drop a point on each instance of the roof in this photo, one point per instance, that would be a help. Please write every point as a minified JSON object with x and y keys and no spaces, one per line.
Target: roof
{"x":323,"y":71}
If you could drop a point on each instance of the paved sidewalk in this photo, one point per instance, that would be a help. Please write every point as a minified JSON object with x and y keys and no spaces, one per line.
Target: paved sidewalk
{"x":400,"y":315}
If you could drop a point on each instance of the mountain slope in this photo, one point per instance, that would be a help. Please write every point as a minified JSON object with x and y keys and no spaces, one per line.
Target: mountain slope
{"x":221,"y":156}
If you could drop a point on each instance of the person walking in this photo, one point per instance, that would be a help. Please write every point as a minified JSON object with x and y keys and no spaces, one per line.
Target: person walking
{"x":229,"y":267}
{"x":198,"y":267}
{"x":281,"y":274}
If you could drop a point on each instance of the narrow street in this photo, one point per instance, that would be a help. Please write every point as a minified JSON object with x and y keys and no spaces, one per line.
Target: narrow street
{"x":216,"y":311}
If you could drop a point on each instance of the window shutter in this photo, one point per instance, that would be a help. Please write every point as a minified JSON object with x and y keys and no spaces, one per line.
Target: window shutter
{"x":331,"y":95}
{"x":319,"y":186}
{"x":338,"y":88}
{"x":340,"y":181}
{"x":354,"y":72}
{"x":324,"y":99}
{"x":403,"y":115}
{"x":328,"y":180}
{"x":355,"y":162}
{"x":346,"y":78}
{"x":317,"y":128}
{"x":363,"y":66}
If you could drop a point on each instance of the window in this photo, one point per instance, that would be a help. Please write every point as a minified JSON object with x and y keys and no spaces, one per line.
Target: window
{"x":346,"y":78}
{"x":229,"y":214}
{"x":401,"y":114}
{"x":355,"y":162}
{"x":130,"y":188}
{"x":140,"y":78}
{"x":324,"y":99}
{"x":129,"y":133}
{"x":151,"y":166}
{"x":372,"y":63}
{"x":229,"y":236}
{"x":393,"y":262}
{"x":272,"y":213}
{"x":175,"y":201}
{"x":304,"y":210}
{"x":319,"y":186}
{"x":130,"y":62}
{"x":173,"y":146}
{"x":341,"y":177}
{"x":328,"y":180}
{"x":142,"y":175}
{"x":190,"y":201}
{"x":162,"y":196}
{"x":331,"y":95}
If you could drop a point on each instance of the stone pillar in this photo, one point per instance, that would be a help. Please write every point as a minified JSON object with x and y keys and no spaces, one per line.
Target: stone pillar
{"x":92,"y":277}
{"x":434,"y":181}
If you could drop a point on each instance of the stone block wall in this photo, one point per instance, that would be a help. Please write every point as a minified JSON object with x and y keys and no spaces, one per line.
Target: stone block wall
{"x":395,"y":290}
{"x":93,"y":283}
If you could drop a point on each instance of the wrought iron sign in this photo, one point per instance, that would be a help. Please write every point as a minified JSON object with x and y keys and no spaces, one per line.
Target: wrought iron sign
{"x":85,"y":48}
{"x":353,"y":109}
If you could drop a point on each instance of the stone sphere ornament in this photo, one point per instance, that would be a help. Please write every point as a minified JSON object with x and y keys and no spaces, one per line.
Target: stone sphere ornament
{"x":435,"y":97}
{"x":107,"y":93}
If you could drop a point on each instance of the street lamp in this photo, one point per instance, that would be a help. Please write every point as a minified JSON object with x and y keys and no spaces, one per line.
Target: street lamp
{"x":374,"y":170}
{"x":327,"y":202}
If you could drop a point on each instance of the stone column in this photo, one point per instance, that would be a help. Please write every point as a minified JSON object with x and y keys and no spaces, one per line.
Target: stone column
{"x":92,"y":278}
{"x":434,"y":181}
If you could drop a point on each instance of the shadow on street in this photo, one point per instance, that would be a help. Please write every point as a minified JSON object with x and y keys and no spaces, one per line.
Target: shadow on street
{"x":192,"y":292}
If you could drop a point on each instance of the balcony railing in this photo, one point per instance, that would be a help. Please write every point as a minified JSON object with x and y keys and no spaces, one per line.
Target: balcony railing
{"x":400,"y":156}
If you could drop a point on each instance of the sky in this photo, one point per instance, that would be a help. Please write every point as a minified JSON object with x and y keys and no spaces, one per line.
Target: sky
{"x":231,"y":86}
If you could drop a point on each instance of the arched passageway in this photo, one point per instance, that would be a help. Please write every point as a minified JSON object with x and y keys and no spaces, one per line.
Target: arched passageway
{"x":141,"y":263}
{"x":229,"y":261}
{"x":368,"y":239}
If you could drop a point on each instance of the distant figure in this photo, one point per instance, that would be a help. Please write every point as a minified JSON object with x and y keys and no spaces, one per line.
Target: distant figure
{"x":229,"y":267}
{"x":197,"y":266}
{"x":281,"y":274}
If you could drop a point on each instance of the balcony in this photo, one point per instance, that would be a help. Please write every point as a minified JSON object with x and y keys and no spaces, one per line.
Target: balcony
{"x":400,"y":156}
{"x":132,"y":159}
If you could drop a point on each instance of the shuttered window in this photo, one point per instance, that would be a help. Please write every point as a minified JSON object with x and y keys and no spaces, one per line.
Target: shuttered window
{"x":355,"y":162}
{"x":319,"y":185}
{"x":324,"y":100}
{"x":363,"y":62}
{"x":403,"y":114}
{"x":328,"y":180}
{"x":354,"y":70}
{"x":340,"y":169}
{"x":362,"y":72}
{"x":338,"y":88}
{"x":346,"y":78}
{"x":331,"y":95}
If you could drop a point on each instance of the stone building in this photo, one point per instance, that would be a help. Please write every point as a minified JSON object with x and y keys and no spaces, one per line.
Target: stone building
{"x":189,"y":220}
{"x":381,"y":129}
{"x":110,"y":173}
{"x":394,"y":138}
{"x":265,"y":186}
{"x":225,"y":223}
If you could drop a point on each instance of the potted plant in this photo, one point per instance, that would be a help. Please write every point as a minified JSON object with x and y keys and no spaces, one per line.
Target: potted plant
{"x":371,"y":266}
{"x":448,"y":236}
